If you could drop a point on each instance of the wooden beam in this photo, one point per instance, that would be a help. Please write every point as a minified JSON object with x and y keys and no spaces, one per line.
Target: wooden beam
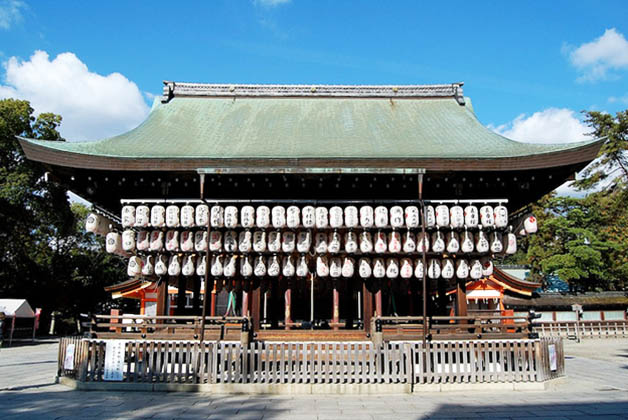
{"x":287,"y":296}
{"x":255,"y":307}
{"x":162,"y":297}
{"x":335,"y":317}
{"x":461,"y":298}
{"x":367,"y":298}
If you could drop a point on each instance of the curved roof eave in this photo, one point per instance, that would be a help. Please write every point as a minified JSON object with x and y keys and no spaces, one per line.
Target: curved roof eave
{"x":46,"y":152}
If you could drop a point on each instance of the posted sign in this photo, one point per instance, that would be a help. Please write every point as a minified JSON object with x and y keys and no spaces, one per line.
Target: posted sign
{"x":114,"y":360}
{"x":552,"y":357}
{"x":68,"y":361}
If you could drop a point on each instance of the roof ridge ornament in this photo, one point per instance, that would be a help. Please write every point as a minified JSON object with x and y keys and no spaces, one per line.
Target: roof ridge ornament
{"x":173,"y":89}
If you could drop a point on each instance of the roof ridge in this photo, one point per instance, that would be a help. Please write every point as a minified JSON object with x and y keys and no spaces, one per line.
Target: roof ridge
{"x":183,"y":89}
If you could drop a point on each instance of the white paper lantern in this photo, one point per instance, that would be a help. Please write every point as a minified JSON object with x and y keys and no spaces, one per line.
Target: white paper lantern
{"x":161,"y":266}
{"x":149,"y":266}
{"x":351,"y":242}
{"x":467,"y":244}
{"x":475,"y":272}
{"x":156,"y":240}
{"x":274,"y":266}
{"x":453,"y":243}
{"x":352,"y":217}
{"x":247,"y":216}
{"x":348,"y":267}
{"x":406,"y":270}
{"x":259,"y":241}
{"x":419,"y":269}
{"x":217,"y":264}
{"x":379,"y":268}
{"x":128,"y":240}
{"x":335,"y":267}
{"x":229,"y":268}
{"x":500,"y":214}
{"x":278,"y":217}
{"x":230,"y":241}
{"x":201,"y":215}
{"x":174,"y":266}
{"x":364,"y":268}
{"x":423,"y":242}
{"x":322,"y":217}
{"x":456,"y":217}
{"x":187,"y":216}
{"x":442,"y":215}
{"x":201,"y":267}
{"x":274,"y":241}
{"x":320,"y":243}
{"x":158,"y":216}
{"x":322,"y":266}
{"x":231,"y":217}
{"x":429,"y":217}
{"x":304,"y":241}
{"x":336,"y":217}
{"x":447,"y":269}
{"x":487,"y":217}
{"x":381,"y":216}
{"x":308,"y":217}
{"x":334,"y":243}
{"x":200,"y":241}
{"x":246,"y":266}
{"x":481,"y":242}
{"x":135,"y":266}
{"x":367,"y":217}
{"x":409,"y":242}
{"x":215,"y":241}
{"x":188,"y":268}
{"x":380,"y":245}
{"x":412,"y":216}
{"x":471,"y":216}
{"x":392,"y":268}
{"x":172,"y":216}
{"x":438,"y":242}
{"x":487,"y":266}
{"x":217,"y":217}
{"x":433,"y":268}
{"x":142,"y":216}
{"x":302,"y":268}
{"x":287,"y":266}
{"x":530,"y":225}
{"x":510,"y":243}
{"x":288,"y":242}
{"x":143,"y":240}
{"x":172,"y":240}
{"x":394,"y":242}
{"x":496,"y":243}
{"x":187,"y":241}
{"x":128,"y":216}
{"x":366,"y":242}
{"x":260,"y":266}
{"x":113,"y":243}
{"x":245,"y":241}
{"x":293,"y":217}
{"x":462,"y":269}
{"x":396,"y":216}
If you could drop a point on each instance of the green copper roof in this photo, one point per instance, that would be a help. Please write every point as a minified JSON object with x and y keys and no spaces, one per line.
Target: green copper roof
{"x":310,"y":127}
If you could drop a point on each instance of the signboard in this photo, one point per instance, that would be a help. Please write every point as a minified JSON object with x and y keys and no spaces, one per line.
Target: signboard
{"x":114,"y":360}
{"x":68,"y":360}
{"x":552,"y":357}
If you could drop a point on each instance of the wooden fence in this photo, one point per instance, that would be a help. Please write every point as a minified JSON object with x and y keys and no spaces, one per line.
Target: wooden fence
{"x":583,"y":329}
{"x":359,"y":362}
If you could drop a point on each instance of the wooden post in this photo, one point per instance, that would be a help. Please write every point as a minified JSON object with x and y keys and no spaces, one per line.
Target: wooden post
{"x":287,"y":296}
{"x":255,"y":307}
{"x":162,"y":297}
{"x":378,"y":299}
{"x":181,"y":295}
{"x":212,"y":310}
{"x":246,"y":293}
{"x":196,"y":299}
{"x":367,"y":298}
{"x":335,"y":318}
{"x":461,"y":298}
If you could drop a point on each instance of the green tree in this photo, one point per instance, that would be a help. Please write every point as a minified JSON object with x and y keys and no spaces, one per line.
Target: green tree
{"x":47,"y":257}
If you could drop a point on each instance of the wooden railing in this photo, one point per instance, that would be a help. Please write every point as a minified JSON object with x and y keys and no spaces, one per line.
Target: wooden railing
{"x":452,"y":327}
{"x":583,"y":329}
{"x":170,"y":327}
{"x":191,"y":362}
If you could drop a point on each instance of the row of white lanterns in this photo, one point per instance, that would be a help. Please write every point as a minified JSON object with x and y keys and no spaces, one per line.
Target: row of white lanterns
{"x":305,"y":241}
{"x":320,"y":217}
{"x":290,"y":266}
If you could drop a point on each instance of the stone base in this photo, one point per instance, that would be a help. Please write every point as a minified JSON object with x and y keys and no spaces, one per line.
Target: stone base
{"x":296,"y":389}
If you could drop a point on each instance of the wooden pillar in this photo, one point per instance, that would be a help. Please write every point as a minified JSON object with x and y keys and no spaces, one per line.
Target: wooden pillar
{"x":212,"y":308}
{"x":287,"y":298}
{"x":255,"y":307}
{"x":461,"y":298}
{"x":181,"y":295}
{"x":411,"y":291}
{"x":162,"y":297}
{"x":246,"y":310}
{"x":335,"y":317}
{"x":367,"y":298}
{"x":378,"y":299}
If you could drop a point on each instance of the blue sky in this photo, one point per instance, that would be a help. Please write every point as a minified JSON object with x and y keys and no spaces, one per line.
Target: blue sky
{"x":516,"y":58}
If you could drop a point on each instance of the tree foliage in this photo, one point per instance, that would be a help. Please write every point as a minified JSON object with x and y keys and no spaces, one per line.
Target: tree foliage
{"x":47,"y":258}
{"x":584,"y":241}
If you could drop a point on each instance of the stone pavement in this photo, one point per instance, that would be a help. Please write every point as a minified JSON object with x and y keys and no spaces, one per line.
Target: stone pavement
{"x":595,"y":388}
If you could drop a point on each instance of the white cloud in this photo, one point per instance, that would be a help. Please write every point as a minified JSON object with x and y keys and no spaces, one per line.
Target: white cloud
{"x":92,"y":106}
{"x":10,"y":13}
{"x":553,"y":125}
{"x":596,"y":58}
{"x":270,"y":3}
{"x":620,"y":99}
